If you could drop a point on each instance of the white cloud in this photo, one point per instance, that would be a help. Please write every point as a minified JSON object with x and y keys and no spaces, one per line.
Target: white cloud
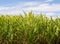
{"x":49,"y":0}
{"x":54,"y":15}
{"x":34,"y":6}
{"x":4,"y":8}
{"x":16,"y":9}
{"x":51,"y":14}
{"x":30,"y":3}
{"x":45,"y":8}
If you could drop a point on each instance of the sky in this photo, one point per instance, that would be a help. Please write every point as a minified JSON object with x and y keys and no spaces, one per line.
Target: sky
{"x":14,"y":7}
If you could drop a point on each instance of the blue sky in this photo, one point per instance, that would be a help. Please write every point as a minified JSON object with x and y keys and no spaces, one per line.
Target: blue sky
{"x":12,"y":2}
{"x":48,"y":7}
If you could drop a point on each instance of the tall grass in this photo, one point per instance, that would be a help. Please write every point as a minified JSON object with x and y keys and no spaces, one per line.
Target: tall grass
{"x":29,"y":29}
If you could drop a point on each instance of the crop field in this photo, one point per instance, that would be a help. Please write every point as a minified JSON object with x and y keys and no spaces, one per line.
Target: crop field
{"x":29,"y":29}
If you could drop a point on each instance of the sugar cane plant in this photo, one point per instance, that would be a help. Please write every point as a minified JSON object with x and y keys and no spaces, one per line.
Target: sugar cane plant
{"x":29,"y":29}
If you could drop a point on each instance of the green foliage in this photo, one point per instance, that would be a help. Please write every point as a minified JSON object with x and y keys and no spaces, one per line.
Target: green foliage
{"x":29,"y":29}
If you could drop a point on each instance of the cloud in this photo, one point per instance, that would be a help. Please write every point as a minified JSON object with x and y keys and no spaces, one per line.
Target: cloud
{"x":4,"y":8}
{"x":47,"y":8}
{"x":49,"y":0}
{"x":16,"y":9}
{"x":54,"y":15}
